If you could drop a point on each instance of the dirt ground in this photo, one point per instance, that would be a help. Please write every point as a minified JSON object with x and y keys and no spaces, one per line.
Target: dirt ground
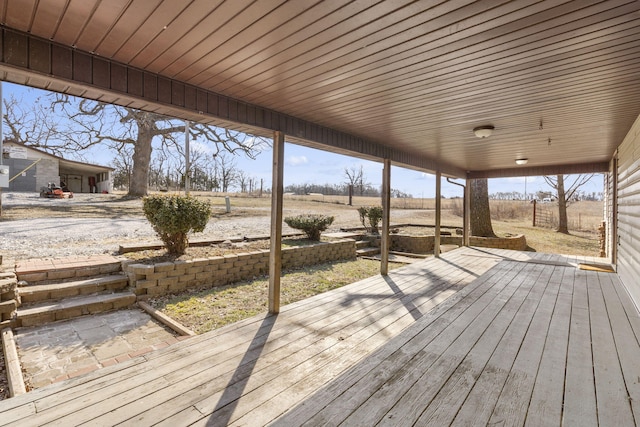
{"x":33,"y":227}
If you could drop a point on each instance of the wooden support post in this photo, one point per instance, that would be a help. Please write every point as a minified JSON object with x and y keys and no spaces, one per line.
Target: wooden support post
{"x":466,"y":217}
{"x":386,"y":208}
{"x":436,"y":240}
{"x":275,"y":255}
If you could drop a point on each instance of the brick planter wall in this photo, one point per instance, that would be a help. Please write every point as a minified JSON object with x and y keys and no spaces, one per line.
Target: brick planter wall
{"x":516,"y":243}
{"x":412,"y":244}
{"x":172,"y":277}
{"x":424,"y":244}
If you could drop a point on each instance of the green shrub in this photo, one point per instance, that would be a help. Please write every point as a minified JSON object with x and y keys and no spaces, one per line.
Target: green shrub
{"x":370,"y":217}
{"x":311,"y":224}
{"x":174,"y":217}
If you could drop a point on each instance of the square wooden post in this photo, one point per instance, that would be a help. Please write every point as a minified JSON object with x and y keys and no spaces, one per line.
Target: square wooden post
{"x":436,"y":240}
{"x":466,"y":216}
{"x":386,"y":208}
{"x":275,"y":254}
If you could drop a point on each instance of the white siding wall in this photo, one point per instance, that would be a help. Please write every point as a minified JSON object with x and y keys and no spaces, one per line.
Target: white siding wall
{"x":629,"y":211}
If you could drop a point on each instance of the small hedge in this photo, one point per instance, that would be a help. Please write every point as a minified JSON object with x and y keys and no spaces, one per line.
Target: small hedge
{"x":370,"y":217}
{"x":174,"y":217}
{"x":312,"y":224}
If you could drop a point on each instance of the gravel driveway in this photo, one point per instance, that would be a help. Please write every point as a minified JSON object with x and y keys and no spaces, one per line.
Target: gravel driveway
{"x":64,"y":235}
{"x":60,"y":237}
{"x":103,"y":222}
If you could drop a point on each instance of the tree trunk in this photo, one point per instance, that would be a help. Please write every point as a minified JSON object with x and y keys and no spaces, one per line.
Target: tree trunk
{"x":480,"y":214}
{"x":562,"y":207}
{"x":139,"y":185}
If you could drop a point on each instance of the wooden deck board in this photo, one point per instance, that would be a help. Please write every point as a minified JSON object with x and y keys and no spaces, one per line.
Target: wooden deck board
{"x":408,"y":409}
{"x":611,"y":393}
{"x":481,"y":400}
{"x":450,"y":398}
{"x":580,"y":397}
{"x":512,"y":405}
{"x":423,"y":351}
{"x":545,"y":407}
{"x":479,"y":336}
{"x":623,"y":335}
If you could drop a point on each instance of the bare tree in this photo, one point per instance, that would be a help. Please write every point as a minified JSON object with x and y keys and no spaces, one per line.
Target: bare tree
{"x":92,"y":123}
{"x":227,"y":172}
{"x":355,"y":177}
{"x":565,"y":194}
{"x":480,"y":213}
{"x":243,"y":180}
{"x":33,"y":125}
{"x":123,"y":165}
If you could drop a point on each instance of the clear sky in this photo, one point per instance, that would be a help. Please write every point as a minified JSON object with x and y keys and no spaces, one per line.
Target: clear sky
{"x":307,"y":165}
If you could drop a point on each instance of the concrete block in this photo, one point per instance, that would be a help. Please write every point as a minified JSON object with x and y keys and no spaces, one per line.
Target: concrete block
{"x":157,"y":291}
{"x":186,"y":278}
{"x":200,"y":262}
{"x":146,"y":284}
{"x":168,"y":281}
{"x":164,"y":267}
{"x":88,"y":272}
{"x":143,"y":269}
{"x":204,"y":275}
{"x":195,"y":270}
{"x":60,"y":274}
{"x":33,"y":277}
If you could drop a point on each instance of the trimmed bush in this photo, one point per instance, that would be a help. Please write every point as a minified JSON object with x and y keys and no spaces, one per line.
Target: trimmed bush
{"x":311,"y":224}
{"x":174,"y":217}
{"x":370,"y":217}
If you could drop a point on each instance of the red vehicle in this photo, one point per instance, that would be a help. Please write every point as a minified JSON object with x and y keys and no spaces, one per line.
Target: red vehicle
{"x":52,"y":191}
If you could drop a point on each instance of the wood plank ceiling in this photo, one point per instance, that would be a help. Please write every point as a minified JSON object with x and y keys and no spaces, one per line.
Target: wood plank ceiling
{"x":559,"y":80}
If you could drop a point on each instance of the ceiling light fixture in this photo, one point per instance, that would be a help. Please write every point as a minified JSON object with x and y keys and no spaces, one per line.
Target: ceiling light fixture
{"x":522,"y":161}
{"x":483,"y":131}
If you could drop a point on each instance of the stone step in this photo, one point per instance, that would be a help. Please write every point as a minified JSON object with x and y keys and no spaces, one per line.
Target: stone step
{"x":367,"y":251}
{"x":56,"y":291}
{"x":68,"y":308}
{"x":43,"y":271}
{"x":362,"y":244}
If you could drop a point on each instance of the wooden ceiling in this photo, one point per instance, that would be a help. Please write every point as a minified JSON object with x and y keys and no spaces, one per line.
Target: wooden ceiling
{"x":559,"y":80}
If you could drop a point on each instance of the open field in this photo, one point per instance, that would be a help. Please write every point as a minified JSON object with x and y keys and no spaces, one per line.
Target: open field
{"x":81,"y":220}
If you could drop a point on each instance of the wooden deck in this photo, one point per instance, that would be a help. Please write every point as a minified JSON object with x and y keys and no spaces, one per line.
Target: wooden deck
{"x":478,"y":337}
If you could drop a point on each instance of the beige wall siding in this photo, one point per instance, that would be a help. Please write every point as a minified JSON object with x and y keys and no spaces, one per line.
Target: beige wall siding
{"x":628,"y":235}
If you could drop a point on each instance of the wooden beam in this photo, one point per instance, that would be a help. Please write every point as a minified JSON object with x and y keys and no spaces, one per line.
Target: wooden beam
{"x":386,"y":207}
{"x":12,"y":364}
{"x":436,"y":240}
{"x":600,"y":167}
{"x":275,"y":255}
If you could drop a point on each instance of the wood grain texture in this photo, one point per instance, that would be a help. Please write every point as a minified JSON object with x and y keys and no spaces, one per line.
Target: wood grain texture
{"x":478,"y":336}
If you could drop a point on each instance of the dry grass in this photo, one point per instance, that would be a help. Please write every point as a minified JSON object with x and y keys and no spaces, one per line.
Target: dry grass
{"x":204,"y":310}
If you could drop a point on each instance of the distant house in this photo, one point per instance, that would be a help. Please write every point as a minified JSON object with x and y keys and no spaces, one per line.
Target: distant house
{"x":36,"y":169}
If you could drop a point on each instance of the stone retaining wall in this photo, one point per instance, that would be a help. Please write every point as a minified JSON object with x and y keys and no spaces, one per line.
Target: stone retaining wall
{"x":9,"y":299}
{"x":173,"y":277}
{"x":516,"y":243}
{"x":424,"y":244}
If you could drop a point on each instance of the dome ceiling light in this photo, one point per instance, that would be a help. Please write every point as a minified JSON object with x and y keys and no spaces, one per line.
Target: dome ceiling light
{"x":483,"y":131}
